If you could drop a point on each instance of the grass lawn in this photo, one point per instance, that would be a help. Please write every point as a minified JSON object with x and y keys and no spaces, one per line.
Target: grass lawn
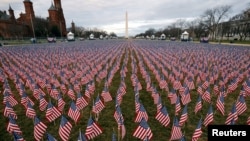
{"x":122,"y":52}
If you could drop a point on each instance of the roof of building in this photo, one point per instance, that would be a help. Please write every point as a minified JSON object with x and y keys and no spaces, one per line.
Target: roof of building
{"x":10,"y":8}
{"x":52,"y":7}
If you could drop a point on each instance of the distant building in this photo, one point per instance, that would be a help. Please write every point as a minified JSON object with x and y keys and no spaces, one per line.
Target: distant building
{"x":56,"y":16}
{"x":11,"y":27}
{"x":236,"y":29}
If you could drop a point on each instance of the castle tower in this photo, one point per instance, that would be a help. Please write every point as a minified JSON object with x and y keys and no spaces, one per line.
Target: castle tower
{"x":12,"y":15}
{"x":58,"y":4}
{"x":28,"y":5}
{"x":53,"y":16}
{"x":61,"y":19}
{"x":126,"y":26}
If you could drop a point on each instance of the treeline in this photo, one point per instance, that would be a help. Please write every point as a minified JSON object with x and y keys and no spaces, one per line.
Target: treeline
{"x":215,"y":22}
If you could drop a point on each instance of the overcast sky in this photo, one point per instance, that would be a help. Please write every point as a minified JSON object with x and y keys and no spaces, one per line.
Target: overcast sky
{"x":109,"y":15}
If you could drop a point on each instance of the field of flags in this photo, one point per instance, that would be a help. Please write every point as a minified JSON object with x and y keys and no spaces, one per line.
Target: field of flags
{"x":122,"y":90}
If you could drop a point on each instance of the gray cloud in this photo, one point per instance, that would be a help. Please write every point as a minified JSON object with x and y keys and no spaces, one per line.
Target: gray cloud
{"x":110,"y":15}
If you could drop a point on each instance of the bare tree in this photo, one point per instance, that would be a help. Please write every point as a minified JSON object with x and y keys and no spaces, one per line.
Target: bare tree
{"x":180,"y":23}
{"x":79,"y":31}
{"x":212,"y":18}
{"x":191,"y":26}
{"x":200,"y":29}
{"x":150,"y":32}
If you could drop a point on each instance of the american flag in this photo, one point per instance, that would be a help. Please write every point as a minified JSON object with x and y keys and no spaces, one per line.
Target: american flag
{"x":8,"y":111}
{"x":87,"y":92}
{"x":52,"y":112}
{"x":64,"y":129}
{"x":54,"y":92}
{"x":118,"y":114}
{"x":42,"y":103}
{"x":198,"y":105}
{"x":98,"y":105}
{"x":176,"y":132}
{"x":142,"y":114}
{"x":206,"y":84}
{"x":246,"y":85}
{"x":73,"y":112}
{"x":122,"y":88}
{"x":190,"y":83}
{"x":60,"y":103}
{"x":177,"y":84}
{"x":81,"y":102}
{"x":39,"y":129}
{"x":155,"y":95}
{"x":220,"y":104}
{"x":118,"y":97}
{"x":63,"y":88}
{"x":42,"y":83}
{"x":163,"y":84}
{"x":50,"y":137}
{"x":241,"y":106}
{"x":36,"y":92}
{"x":12,"y":126}
{"x":121,"y":127}
{"x":106,"y":95}
{"x":248,"y":120}
{"x":183,"y":89}
{"x":223,"y":91}
{"x":77,"y":87}
{"x":197,"y":133}
{"x":184,"y":116}
{"x":84,"y":80}
{"x":137,"y":102}
{"x":163,"y":117}
{"x":185,"y":99}
{"x":25,"y":99}
{"x":232,"y":116}
{"x":233,"y":85}
{"x":200,"y":89}
{"x":93,"y":129}
{"x":159,"y":104}
{"x":216,"y":89}
{"x":30,"y":112}
{"x":149,"y":86}
{"x":17,"y":137}
{"x":91,"y":87}
{"x":243,"y":92}
{"x":206,"y":95}
{"x":209,"y":117}
{"x":143,"y":131}
{"x":172,"y":96}
{"x":71,"y":93}
{"x":177,"y":106}
{"x":81,"y":137}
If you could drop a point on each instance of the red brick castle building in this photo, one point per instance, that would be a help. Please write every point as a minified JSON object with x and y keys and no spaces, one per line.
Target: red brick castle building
{"x":12,"y":27}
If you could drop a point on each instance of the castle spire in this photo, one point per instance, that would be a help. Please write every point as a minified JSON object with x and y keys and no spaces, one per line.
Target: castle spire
{"x":12,"y":15}
{"x":10,"y":7}
{"x":52,"y":7}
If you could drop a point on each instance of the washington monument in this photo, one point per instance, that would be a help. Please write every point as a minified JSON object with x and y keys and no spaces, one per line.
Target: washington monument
{"x":126,"y":26}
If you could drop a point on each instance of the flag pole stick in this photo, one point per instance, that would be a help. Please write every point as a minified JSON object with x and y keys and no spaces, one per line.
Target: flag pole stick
{"x":80,"y":134}
{"x":118,"y":132}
